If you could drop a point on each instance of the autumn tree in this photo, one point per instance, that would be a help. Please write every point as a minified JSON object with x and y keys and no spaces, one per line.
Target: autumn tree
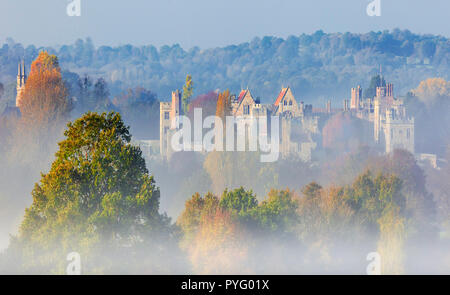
{"x":195,"y":208}
{"x":188,"y":91}
{"x":220,"y":245}
{"x":228,"y":234}
{"x":431,"y":90}
{"x":45,"y":103}
{"x":429,"y":104}
{"x":98,"y":199}
{"x":223,"y":105}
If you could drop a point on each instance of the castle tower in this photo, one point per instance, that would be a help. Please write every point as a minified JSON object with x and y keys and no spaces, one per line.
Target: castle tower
{"x":345,"y":105}
{"x":381,"y":91}
{"x":398,"y":132}
{"x":175,"y":107}
{"x":168,"y":112}
{"x":355,"y":103}
{"x":21,"y":80}
{"x":377,"y":119}
{"x":390,"y":90}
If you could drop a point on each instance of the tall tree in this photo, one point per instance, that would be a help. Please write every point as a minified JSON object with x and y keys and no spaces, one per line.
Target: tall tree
{"x":98,"y":195}
{"x":223,"y":105}
{"x":45,"y":101}
{"x":188,"y":91}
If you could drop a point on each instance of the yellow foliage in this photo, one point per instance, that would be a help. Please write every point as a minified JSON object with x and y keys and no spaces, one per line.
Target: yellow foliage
{"x":219,"y":246}
{"x":429,"y":90}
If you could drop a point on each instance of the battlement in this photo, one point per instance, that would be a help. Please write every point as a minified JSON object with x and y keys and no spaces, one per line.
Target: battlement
{"x":397,"y":120}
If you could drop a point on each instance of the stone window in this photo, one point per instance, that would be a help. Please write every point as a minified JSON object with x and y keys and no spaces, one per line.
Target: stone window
{"x":408,"y":133}
{"x":290,"y":102}
{"x":285,"y":102}
{"x":166,"y":115}
{"x":246,"y":109}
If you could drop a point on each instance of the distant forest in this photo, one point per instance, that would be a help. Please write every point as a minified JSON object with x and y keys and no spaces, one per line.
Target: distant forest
{"x":318,"y":66}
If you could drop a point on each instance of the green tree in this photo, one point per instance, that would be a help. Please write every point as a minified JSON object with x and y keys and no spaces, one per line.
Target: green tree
{"x":98,"y":198}
{"x":278,"y":211}
{"x":188,"y":91}
{"x":238,"y":201}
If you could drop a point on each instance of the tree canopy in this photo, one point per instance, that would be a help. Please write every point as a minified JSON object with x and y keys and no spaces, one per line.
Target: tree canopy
{"x":98,"y":193}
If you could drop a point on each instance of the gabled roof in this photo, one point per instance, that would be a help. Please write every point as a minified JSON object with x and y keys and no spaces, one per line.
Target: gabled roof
{"x":281,"y":96}
{"x":242,"y":95}
{"x":240,"y":99}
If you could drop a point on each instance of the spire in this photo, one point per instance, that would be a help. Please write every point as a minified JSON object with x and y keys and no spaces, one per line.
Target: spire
{"x":381,"y":75}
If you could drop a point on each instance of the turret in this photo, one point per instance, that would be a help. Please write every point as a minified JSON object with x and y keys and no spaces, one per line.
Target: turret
{"x":21,"y":80}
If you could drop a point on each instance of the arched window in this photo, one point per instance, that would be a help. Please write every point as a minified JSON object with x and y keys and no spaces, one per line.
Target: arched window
{"x":290,"y":102}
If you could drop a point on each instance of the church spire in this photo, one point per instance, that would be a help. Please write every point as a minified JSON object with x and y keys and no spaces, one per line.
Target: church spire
{"x":21,"y":80}
{"x":24,"y":73}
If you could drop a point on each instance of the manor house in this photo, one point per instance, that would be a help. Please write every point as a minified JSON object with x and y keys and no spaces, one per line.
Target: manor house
{"x":297,"y":124}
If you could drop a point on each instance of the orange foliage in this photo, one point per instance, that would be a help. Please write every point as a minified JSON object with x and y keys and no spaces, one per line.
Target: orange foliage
{"x":45,"y":100}
{"x":223,"y":104}
{"x":219,"y":246}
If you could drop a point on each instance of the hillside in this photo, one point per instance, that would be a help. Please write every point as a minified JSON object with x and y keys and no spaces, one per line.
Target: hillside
{"x":318,"y":67}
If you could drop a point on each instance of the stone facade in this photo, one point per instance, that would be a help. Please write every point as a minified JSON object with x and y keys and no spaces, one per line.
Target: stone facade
{"x":398,"y":131}
{"x":168,"y":112}
{"x":391,"y":125}
{"x":286,"y":104}
{"x":296,"y":120}
{"x":355,"y":102}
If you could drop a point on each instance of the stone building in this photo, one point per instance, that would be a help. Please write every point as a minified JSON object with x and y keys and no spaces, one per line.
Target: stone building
{"x":286,"y":104}
{"x":296,"y":121}
{"x":297,"y":126}
{"x":391,"y":125}
{"x":356,"y":98}
{"x":398,"y":131}
{"x":168,"y":112}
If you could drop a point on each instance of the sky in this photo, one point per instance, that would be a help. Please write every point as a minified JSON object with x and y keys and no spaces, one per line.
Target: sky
{"x":208,"y":23}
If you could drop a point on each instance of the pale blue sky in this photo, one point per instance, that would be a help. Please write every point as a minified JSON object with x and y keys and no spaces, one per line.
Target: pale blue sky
{"x":209,"y":23}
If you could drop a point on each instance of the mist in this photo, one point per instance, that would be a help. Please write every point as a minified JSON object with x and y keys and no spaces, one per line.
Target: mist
{"x":88,"y":176}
